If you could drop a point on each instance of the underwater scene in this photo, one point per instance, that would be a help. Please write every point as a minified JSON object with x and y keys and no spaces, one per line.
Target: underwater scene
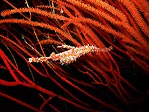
{"x":74,"y":56}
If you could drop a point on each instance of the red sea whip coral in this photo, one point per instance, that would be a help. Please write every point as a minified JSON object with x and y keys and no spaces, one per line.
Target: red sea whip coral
{"x":104,"y":81}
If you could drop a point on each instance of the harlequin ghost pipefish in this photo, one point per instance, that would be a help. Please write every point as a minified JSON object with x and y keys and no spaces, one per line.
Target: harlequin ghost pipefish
{"x":71,"y":54}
